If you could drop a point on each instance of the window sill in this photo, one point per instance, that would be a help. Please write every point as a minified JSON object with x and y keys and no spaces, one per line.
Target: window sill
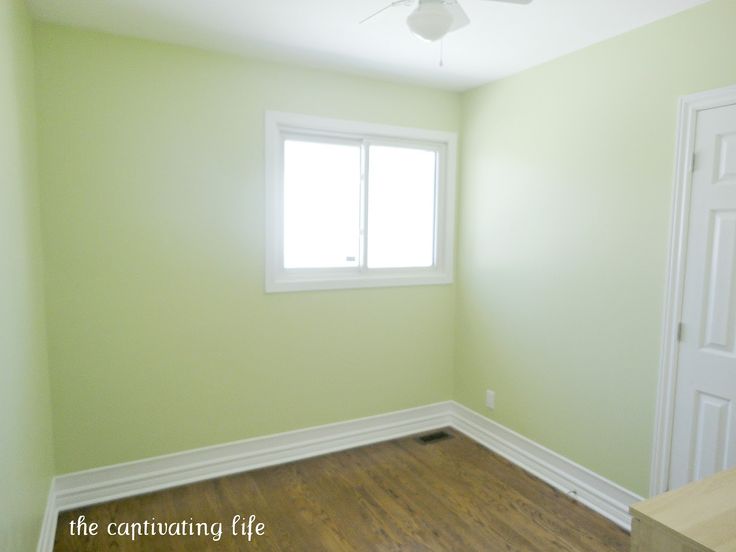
{"x":285,"y":282}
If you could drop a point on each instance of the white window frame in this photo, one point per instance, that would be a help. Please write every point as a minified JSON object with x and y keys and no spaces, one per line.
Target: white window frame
{"x":280,"y":125}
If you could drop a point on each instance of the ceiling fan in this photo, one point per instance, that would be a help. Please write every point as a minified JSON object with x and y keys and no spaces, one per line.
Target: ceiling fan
{"x":433,"y":19}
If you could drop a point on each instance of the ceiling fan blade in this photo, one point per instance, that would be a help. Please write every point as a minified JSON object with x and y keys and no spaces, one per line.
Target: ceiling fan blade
{"x":391,"y":5}
{"x":512,"y":1}
{"x":459,"y":18}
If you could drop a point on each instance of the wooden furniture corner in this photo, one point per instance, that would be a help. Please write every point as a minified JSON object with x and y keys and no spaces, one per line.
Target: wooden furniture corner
{"x":699,"y":517}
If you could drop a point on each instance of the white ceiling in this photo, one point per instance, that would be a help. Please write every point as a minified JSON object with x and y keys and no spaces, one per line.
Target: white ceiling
{"x":502,"y":39}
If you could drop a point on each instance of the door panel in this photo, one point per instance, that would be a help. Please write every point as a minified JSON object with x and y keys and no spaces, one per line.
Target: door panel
{"x":726,"y":162}
{"x":719,"y":313}
{"x":704,"y":434}
{"x":711,"y":432}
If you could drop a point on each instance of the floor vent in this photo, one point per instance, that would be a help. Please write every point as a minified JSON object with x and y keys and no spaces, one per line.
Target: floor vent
{"x":433,"y":437}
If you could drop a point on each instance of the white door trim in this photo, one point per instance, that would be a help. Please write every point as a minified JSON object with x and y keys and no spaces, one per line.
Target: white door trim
{"x":690,"y":106}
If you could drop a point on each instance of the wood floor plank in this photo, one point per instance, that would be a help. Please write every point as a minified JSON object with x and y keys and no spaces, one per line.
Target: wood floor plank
{"x":401,"y":495}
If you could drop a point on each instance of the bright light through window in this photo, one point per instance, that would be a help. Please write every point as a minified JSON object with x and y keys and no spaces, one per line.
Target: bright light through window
{"x":401,"y":212}
{"x":355,"y":204}
{"x":321,"y":204}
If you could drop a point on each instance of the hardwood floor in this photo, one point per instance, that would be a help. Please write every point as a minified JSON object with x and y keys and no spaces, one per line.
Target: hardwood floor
{"x":450,"y":495}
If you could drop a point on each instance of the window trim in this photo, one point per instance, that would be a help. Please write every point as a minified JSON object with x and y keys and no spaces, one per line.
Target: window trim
{"x":279,"y":279}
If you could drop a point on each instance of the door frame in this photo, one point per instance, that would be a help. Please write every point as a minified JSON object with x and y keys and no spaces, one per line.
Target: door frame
{"x":689,"y":108}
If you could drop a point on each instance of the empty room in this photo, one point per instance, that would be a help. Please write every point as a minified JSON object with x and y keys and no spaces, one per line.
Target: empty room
{"x":363,"y":275}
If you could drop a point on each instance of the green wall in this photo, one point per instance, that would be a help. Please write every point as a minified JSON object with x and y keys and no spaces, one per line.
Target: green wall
{"x":566,"y":198}
{"x":26,"y":455}
{"x":161,"y":337}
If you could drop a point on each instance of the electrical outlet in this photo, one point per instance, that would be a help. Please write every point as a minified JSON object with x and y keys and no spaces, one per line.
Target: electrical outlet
{"x":490,"y":399}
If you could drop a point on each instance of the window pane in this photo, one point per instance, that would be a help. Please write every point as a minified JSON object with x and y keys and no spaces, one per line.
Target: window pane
{"x":321,"y":204}
{"x":401,"y":207}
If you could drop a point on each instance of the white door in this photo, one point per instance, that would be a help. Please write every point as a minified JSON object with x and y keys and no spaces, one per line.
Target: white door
{"x":704,"y":432}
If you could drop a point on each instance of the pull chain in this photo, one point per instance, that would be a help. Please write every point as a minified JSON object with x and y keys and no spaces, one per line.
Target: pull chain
{"x":442,"y":53}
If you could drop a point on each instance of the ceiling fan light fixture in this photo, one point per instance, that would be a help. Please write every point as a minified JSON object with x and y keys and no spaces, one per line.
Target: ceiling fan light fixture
{"x":430,"y":20}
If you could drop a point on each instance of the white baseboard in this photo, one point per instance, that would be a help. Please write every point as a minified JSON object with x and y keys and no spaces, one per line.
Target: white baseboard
{"x":99,"y":485}
{"x":48,"y":524}
{"x":83,"y":488}
{"x":596,"y":492}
